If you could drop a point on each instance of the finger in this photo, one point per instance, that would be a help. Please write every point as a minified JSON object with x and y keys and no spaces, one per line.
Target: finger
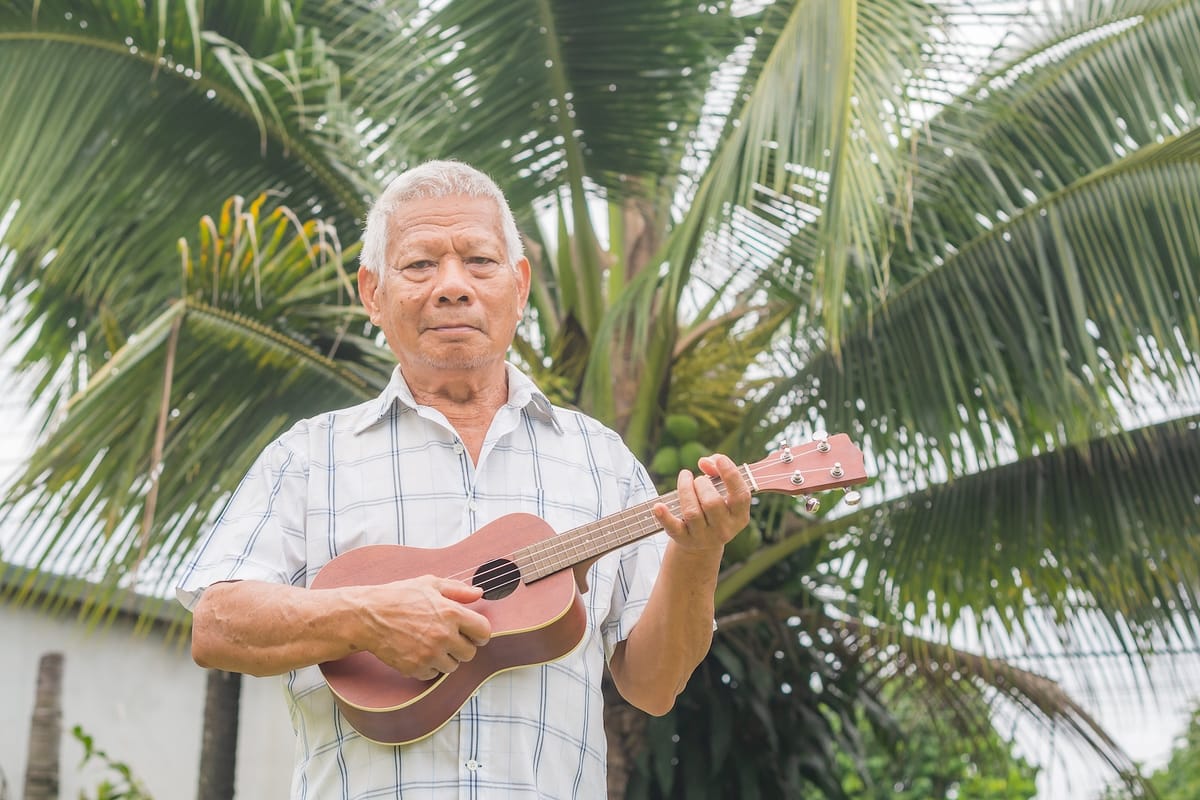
{"x":669,"y":522}
{"x":690,"y":511}
{"x":462,"y":650}
{"x":475,"y":628}
{"x":707,"y":494}
{"x":736,"y":492}
{"x":458,"y":591}
{"x":445,"y":663}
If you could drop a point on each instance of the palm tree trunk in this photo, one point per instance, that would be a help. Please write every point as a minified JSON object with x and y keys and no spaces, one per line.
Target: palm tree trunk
{"x":218,"y":750}
{"x":45,"y":731}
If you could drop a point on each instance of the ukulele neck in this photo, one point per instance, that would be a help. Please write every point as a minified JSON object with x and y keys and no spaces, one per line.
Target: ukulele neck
{"x":594,"y":539}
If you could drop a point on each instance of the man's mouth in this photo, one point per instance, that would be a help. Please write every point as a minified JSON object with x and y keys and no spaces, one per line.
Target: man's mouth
{"x":452,"y":328}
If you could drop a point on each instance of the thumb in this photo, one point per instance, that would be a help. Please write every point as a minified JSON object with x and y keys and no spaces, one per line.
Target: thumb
{"x":458,"y":591}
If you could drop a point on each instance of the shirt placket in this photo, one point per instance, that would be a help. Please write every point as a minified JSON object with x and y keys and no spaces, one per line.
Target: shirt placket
{"x":471,"y":733}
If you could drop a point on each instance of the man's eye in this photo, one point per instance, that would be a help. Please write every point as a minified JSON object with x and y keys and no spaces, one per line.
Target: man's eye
{"x":419,"y":265}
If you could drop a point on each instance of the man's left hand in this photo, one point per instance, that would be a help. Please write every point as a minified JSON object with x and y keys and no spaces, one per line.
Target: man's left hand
{"x":708,"y":517}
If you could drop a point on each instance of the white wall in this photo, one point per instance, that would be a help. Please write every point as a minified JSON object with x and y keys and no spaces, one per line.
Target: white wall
{"x":141,"y":699}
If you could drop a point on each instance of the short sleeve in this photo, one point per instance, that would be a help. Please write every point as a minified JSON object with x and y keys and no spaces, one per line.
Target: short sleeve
{"x":260,"y":534}
{"x":637,"y":570}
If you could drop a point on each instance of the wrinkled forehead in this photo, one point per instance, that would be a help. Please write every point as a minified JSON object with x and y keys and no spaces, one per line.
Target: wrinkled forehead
{"x":473,"y":221}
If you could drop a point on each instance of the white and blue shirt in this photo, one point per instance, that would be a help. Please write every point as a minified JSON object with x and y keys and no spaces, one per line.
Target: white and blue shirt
{"x":389,"y":471}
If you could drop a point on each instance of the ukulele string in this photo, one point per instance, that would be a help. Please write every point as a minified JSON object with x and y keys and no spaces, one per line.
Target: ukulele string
{"x":634,"y":522}
{"x":640,"y":522}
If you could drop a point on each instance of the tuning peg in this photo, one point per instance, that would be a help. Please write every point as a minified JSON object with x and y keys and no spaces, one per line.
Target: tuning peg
{"x":852,"y":497}
{"x":822,"y":440}
{"x":812,"y":505}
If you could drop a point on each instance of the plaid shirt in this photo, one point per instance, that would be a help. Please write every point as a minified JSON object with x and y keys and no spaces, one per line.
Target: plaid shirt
{"x":390,"y":471}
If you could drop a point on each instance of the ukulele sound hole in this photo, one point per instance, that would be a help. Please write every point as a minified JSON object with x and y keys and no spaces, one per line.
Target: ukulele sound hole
{"x":498,"y":579}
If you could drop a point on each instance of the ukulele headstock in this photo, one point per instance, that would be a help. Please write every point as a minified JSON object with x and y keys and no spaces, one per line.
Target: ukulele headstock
{"x":827,"y":462}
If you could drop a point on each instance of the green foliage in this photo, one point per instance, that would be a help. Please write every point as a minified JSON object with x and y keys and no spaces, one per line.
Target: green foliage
{"x":1180,"y":778}
{"x":753,"y":725}
{"x":744,"y":544}
{"x":124,"y":786}
{"x":920,"y":756}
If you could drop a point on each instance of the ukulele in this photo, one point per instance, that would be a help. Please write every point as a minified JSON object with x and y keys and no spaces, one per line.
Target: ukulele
{"x":532,"y":579}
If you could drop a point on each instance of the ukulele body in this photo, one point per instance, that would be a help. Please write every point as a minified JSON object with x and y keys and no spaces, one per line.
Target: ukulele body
{"x":536,"y":623}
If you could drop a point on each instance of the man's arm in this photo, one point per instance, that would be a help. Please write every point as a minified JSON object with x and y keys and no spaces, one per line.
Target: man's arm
{"x":652,"y":666}
{"x":419,"y":626}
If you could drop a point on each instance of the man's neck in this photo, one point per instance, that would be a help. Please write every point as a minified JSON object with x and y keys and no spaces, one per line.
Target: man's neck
{"x":468,"y":400}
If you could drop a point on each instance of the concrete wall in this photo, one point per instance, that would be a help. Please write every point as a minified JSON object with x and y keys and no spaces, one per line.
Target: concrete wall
{"x":141,"y":699}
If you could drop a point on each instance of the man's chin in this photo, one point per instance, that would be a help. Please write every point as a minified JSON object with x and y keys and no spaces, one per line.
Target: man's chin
{"x":457,"y":362}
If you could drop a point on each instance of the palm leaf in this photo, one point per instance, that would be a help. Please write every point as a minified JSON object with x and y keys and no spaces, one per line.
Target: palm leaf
{"x":532,"y":96}
{"x":1107,"y":524}
{"x":122,"y":147}
{"x":242,"y":354}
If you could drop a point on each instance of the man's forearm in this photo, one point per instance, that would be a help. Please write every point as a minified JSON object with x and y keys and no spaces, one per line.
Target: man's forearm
{"x":674,"y":633}
{"x":268,"y":629}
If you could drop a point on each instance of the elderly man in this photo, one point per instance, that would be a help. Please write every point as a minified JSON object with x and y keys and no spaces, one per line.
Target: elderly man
{"x":457,"y":439}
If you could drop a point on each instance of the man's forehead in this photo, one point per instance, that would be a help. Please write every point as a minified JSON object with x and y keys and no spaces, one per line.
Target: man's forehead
{"x":473,"y":219}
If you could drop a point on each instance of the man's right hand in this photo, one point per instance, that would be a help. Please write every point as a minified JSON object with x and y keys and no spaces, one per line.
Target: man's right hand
{"x":421,"y":626}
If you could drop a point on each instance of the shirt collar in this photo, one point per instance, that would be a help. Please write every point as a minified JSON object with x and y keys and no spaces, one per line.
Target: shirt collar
{"x":522,"y":393}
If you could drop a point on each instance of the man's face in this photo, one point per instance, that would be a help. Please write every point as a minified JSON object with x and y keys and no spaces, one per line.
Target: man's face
{"x":448,"y":300}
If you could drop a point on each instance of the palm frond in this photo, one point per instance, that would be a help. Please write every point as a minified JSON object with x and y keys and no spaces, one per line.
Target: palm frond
{"x":1107,"y":526}
{"x":245,"y":351}
{"x":1033,"y":334}
{"x":532,"y":97}
{"x":809,"y":151}
{"x":1067,"y":105}
{"x":122,"y":147}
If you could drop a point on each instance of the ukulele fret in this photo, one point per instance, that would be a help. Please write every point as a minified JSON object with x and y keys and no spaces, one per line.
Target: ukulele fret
{"x":597,"y":538}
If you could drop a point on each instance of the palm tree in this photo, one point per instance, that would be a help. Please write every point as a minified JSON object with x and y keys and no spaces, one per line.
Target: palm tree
{"x":755,"y":221}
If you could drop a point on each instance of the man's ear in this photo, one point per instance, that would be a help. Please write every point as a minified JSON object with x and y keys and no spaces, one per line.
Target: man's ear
{"x":368,"y":283}
{"x":523,"y":281}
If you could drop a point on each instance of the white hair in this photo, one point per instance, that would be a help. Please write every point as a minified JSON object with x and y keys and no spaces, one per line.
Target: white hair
{"x":434,"y":179}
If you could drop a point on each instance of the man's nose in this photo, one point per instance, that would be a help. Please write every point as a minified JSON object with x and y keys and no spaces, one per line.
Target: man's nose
{"x":454,"y":281}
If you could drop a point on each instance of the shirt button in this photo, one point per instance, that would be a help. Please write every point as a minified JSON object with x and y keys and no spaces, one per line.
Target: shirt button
{"x":473,"y":505}
{"x":458,"y":447}
{"x":473,"y":765}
